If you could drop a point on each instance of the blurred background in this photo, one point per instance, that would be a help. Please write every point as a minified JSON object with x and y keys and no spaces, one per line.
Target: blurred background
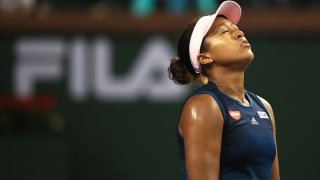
{"x":84,"y":92}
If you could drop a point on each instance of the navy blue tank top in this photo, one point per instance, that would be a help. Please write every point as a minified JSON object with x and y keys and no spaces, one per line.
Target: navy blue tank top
{"x":248,"y":147}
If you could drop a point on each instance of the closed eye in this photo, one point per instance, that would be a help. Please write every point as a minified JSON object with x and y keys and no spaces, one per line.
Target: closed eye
{"x":224,"y":32}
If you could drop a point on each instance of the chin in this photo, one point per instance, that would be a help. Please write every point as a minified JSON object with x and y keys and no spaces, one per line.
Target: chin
{"x":248,"y":56}
{"x":245,"y":61}
{"x":251,"y":56}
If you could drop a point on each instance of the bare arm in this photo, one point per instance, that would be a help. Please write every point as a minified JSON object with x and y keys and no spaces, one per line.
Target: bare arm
{"x":201,"y":125}
{"x":275,"y":174}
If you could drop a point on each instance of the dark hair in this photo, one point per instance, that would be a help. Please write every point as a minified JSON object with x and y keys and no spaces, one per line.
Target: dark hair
{"x":180,"y":69}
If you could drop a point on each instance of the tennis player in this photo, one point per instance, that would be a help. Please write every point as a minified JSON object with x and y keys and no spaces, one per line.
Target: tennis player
{"x":224,"y":132}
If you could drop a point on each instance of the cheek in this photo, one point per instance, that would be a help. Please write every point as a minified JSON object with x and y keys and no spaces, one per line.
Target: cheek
{"x":217,"y":48}
{"x":223,"y":51}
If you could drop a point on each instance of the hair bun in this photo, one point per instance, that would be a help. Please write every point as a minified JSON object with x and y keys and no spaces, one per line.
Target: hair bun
{"x":178,"y":72}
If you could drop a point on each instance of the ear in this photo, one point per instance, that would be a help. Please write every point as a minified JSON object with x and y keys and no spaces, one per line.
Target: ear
{"x":204,"y":59}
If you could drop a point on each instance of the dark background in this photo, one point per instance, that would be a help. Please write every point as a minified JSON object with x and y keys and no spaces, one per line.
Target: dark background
{"x":135,"y":140}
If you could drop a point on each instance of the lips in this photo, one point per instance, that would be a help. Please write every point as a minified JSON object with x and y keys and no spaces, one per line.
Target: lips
{"x":245,"y":43}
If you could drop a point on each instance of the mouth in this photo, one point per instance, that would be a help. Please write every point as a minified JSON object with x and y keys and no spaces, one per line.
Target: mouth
{"x":245,"y":43}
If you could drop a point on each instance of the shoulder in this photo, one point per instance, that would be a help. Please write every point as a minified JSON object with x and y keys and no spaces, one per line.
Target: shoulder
{"x":201,"y":102}
{"x":266,"y":104}
{"x":269,"y":109}
{"x":264,"y":101}
{"x":201,"y":111}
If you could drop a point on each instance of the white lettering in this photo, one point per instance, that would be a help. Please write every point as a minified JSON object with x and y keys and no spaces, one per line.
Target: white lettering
{"x":37,"y":60}
{"x":90,"y":69}
{"x":78,"y":84}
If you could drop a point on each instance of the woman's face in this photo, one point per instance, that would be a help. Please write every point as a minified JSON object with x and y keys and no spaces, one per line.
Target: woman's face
{"x":226,"y":44}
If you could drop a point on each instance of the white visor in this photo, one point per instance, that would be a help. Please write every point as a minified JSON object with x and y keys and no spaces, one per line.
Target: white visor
{"x":230,"y":9}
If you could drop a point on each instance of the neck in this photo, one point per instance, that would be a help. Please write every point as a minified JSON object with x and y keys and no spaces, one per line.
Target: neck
{"x":229,"y":82}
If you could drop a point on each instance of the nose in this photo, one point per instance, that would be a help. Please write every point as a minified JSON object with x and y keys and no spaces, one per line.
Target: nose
{"x":238,"y":34}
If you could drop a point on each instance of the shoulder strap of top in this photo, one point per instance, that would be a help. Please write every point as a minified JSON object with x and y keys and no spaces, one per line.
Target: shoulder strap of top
{"x":258,"y":101}
{"x":207,"y":89}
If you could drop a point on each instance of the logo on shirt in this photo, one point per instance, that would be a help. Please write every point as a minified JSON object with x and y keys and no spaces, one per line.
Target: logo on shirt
{"x":235,"y":115}
{"x":262,"y":115}
{"x":254,"y":121}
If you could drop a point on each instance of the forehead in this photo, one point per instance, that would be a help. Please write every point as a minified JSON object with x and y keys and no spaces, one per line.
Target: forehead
{"x":217,"y":22}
